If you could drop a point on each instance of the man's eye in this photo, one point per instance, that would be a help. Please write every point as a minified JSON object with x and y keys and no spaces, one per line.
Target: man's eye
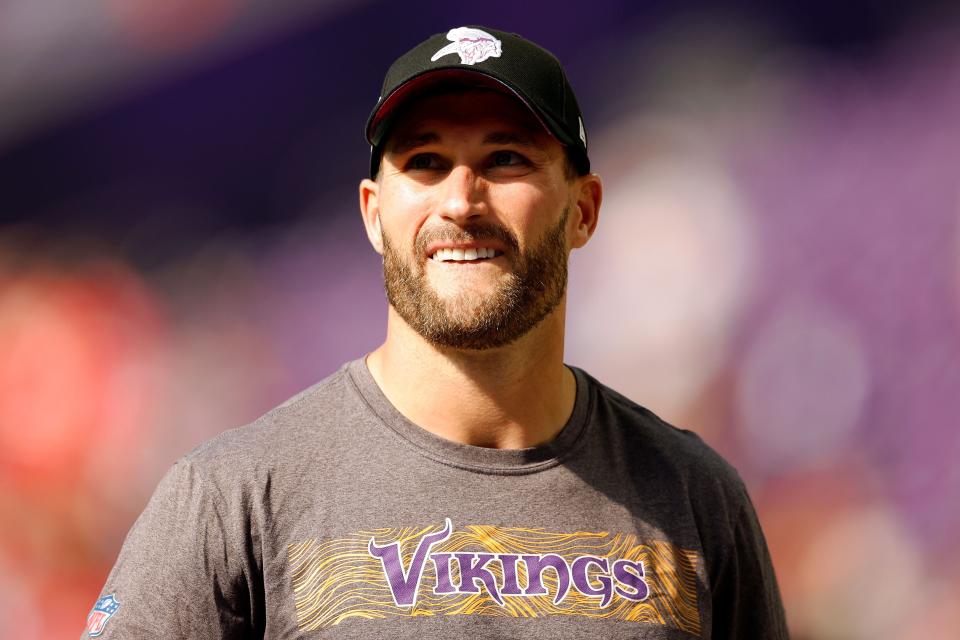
{"x":507,"y":159}
{"x":423,"y":161}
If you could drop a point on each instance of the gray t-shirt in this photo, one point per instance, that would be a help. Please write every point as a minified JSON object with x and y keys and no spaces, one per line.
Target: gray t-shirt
{"x":333,"y":516}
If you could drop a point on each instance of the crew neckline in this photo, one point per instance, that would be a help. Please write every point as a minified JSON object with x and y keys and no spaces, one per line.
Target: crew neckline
{"x":470,"y":457}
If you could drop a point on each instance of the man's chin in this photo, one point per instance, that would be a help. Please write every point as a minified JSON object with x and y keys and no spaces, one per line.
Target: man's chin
{"x":465,"y":316}
{"x":475,"y":323}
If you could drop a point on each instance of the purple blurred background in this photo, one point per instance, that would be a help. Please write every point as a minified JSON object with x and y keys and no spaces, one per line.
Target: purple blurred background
{"x":777,"y":264}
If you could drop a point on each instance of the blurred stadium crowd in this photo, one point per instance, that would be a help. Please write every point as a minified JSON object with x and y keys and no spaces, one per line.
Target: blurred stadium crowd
{"x":777,"y":265}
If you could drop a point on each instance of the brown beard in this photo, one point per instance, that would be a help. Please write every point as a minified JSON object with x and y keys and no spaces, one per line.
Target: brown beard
{"x":535,"y":287}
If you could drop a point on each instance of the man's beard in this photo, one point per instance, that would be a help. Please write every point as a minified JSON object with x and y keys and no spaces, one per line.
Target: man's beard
{"x":533,"y":289}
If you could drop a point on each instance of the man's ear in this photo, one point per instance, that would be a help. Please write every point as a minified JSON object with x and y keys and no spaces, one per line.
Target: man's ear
{"x":370,"y":210}
{"x":589,"y":192}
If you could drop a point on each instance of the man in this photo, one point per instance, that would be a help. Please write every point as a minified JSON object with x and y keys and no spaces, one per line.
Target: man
{"x":460,"y":479}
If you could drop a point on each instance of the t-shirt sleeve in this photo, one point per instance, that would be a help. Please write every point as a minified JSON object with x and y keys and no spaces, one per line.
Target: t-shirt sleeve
{"x":746,"y":599}
{"x":183,"y":571}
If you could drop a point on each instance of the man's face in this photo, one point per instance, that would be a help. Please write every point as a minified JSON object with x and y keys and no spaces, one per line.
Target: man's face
{"x":474,"y":206}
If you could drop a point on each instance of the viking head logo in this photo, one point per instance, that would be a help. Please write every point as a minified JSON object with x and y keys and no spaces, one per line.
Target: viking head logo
{"x":472,"y":45}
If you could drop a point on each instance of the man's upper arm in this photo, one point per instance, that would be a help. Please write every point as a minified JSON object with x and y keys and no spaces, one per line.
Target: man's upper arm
{"x":179,"y":574}
{"x":746,"y":599}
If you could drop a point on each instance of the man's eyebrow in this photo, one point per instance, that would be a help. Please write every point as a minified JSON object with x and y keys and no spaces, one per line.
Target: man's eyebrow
{"x":405,"y":144}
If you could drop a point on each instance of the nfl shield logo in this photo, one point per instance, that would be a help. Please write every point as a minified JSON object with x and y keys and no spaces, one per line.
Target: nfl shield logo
{"x":102,"y":611}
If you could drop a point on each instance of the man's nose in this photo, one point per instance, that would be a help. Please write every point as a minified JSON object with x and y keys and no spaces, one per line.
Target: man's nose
{"x":462,"y":196}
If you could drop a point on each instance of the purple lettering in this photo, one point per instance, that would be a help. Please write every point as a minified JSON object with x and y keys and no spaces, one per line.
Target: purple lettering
{"x":630,"y":579}
{"x":442,"y":562}
{"x":582,"y":582}
{"x":625,"y":578}
{"x":536,"y":566}
{"x":511,"y":587}
{"x":405,"y":584}
{"x":472,"y":568}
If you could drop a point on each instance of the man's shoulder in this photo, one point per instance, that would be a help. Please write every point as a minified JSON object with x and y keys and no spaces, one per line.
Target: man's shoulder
{"x":650,"y":437}
{"x":295,"y":426}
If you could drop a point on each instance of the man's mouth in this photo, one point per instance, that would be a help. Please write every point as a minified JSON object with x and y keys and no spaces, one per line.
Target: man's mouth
{"x":473,"y":254}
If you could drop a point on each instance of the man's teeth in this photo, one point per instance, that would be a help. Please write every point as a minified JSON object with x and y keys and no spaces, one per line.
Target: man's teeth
{"x":462,"y":255}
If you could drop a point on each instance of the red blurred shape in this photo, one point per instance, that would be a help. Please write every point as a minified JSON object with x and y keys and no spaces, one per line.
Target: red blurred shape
{"x":171,"y":24}
{"x":75,"y":369}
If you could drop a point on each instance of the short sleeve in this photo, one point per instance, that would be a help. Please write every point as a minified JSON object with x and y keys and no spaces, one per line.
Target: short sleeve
{"x":182,"y":571}
{"x":746,"y":599}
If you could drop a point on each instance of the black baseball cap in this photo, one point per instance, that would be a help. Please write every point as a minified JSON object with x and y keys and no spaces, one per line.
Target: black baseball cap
{"x":487,"y":58}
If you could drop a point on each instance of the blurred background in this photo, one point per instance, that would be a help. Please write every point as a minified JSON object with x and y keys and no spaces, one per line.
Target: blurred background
{"x":777,"y":265}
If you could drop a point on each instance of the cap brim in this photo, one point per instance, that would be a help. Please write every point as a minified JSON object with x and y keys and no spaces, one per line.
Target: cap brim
{"x":377,"y":124}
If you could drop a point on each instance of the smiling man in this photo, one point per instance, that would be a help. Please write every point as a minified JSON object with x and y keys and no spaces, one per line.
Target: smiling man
{"x":460,"y":479}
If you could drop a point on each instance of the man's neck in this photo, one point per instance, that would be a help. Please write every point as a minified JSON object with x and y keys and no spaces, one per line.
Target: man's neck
{"x":511,"y":397}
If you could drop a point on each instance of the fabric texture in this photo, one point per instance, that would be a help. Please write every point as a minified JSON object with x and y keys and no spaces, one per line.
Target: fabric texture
{"x":333,"y":516}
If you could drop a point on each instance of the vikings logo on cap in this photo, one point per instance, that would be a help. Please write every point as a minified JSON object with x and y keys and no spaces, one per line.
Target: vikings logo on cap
{"x":472,"y":45}
{"x":101,"y":614}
